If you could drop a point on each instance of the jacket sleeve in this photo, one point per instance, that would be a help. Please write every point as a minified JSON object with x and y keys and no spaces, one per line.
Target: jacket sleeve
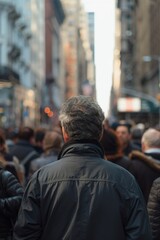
{"x":28,"y":225}
{"x":154,"y":209}
{"x":137,"y":220}
{"x":13,"y":192}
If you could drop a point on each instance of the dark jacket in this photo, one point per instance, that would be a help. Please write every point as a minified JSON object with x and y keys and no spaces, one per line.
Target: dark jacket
{"x":42,"y":161}
{"x":130,"y":147}
{"x":21,"y":149}
{"x":120,"y":159}
{"x":82,"y":197}
{"x":154,"y":209}
{"x":10,"y":198}
{"x":144,"y":172}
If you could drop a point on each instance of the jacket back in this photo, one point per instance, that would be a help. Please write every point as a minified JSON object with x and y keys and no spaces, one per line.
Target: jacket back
{"x":84,"y":197}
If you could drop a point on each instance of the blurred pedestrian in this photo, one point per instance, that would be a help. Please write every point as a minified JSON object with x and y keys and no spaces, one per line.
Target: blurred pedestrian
{"x":154,"y":209}
{"x":136,"y":136}
{"x":51,"y":145}
{"x":24,"y":149}
{"x":144,"y":172}
{"x":82,"y":196}
{"x":11,"y":138}
{"x":151,"y":143}
{"x":10,"y":198}
{"x":4,"y":150}
{"x":38,"y":140}
{"x":9,"y":162}
{"x":113,"y":150}
{"x":123,"y":131}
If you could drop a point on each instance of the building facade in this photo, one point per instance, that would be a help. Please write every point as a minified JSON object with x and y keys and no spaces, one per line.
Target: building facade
{"x":78,"y":54}
{"x":21,"y":61}
{"x":136,"y":72}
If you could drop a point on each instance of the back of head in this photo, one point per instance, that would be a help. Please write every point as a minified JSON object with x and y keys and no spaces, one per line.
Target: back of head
{"x":110,"y":142}
{"x":12,"y":134}
{"x":26,"y":133}
{"x":82,"y":118}
{"x":39,"y":135}
{"x":124,"y":124}
{"x":136,"y":133}
{"x":151,"y":138}
{"x":52,"y":140}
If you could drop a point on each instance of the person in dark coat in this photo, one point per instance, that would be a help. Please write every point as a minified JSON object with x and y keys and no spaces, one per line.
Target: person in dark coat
{"x":9,"y":162}
{"x":123,"y":131}
{"x":136,"y":136}
{"x":39,"y":135}
{"x":144,"y":173}
{"x":51,"y":146}
{"x":112,"y":149}
{"x":11,"y":193}
{"x":82,"y":196}
{"x":154,"y":209}
{"x":24,"y":149}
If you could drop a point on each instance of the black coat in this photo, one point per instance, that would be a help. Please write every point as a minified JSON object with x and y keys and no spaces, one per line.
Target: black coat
{"x":154,"y":209}
{"x":120,"y":159}
{"x":10,"y":198}
{"x":144,"y":173}
{"x":82,"y":197}
{"x":43,"y":160}
{"x":21,"y":149}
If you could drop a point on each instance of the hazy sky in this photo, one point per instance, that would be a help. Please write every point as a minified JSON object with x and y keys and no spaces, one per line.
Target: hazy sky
{"x":104,"y":45}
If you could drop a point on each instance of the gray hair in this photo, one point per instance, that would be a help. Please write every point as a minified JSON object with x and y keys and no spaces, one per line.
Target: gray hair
{"x":151,"y":138}
{"x":82,"y":118}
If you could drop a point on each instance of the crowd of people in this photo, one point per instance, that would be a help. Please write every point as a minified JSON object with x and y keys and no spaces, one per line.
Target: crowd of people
{"x":83,"y":179}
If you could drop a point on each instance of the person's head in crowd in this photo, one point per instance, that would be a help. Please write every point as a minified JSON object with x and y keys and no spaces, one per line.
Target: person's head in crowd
{"x":6,"y":162}
{"x":81,"y":118}
{"x":27,"y":134}
{"x":39,"y":135}
{"x":110,"y":143}
{"x":52,"y":141}
{"x":124,"y":133}
{"x":136,"y":136}
{"x":13,"y":135}
{"x":150,"y":139}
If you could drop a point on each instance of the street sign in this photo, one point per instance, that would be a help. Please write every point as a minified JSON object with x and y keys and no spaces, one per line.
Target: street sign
{"x":129,"y":104}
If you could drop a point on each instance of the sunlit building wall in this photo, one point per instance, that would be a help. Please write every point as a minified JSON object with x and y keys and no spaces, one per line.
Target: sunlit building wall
{"x":139,"y":37}
{"x":123,"y":67}
{"x":148,"y":45}
{"x":143,"y":27}
{"x":54,"y":88}
{"x":21,"y":60}
{"x":87,"y":38}
{"x":91,"y":24}
{"x":81,"y":58}
{"x":70,"y":27}
{"x":116,"y":80}
{"x":148,"y":56}
{"x":36,"y":15}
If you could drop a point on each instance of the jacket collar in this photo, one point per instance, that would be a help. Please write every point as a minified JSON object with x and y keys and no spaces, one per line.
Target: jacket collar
{"x":153,"y":150}
{"x":82,"y":146}
{"x":148,"y":160}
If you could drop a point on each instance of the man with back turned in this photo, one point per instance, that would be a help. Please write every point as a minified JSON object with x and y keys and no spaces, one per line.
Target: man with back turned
{"x":82,"y":196}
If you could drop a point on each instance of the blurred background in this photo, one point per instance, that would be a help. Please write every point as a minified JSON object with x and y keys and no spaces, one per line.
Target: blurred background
{"x":51,"y":50}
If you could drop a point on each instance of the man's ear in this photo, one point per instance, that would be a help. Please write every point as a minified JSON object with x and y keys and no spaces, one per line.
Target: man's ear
{"x":65,"y":135}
